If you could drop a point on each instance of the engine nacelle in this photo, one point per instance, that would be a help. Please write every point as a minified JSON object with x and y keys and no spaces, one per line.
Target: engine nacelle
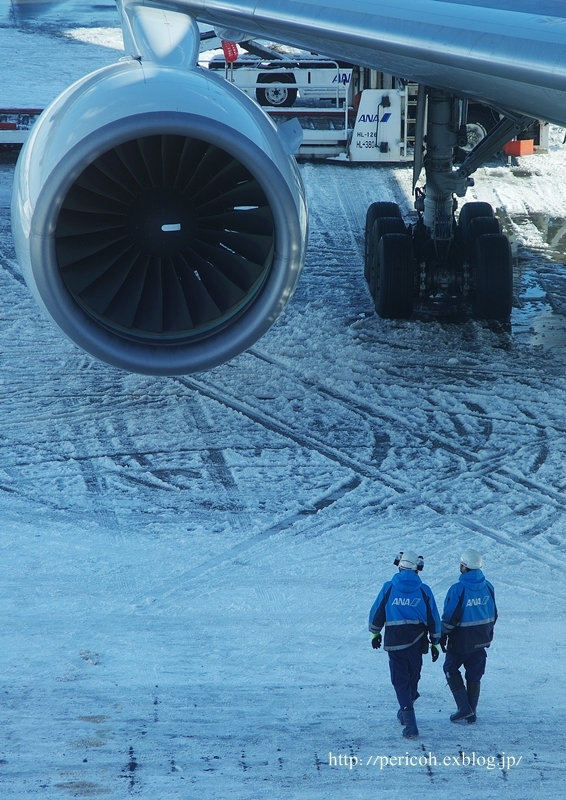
{"x":159,"y":218}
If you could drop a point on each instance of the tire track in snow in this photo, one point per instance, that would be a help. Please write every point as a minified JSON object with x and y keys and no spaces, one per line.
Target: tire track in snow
{"x":534,"y":553}
{"x":10,"y":265}
{"x":279,"y":527}
{"x":368,"y":412}
{"x":406,"y":495}
{"x":302,"y":438}
{"x":489,"y":466}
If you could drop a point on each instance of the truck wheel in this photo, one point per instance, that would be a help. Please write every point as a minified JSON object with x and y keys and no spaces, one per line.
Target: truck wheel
{"x":276,"y":96}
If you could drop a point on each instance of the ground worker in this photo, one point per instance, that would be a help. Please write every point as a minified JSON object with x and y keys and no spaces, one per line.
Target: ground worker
{"x":469,"y":615}
{"x":406,"y":608}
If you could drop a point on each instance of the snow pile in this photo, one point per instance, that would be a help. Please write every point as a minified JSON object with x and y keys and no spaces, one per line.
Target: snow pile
{"x":104,"y":37}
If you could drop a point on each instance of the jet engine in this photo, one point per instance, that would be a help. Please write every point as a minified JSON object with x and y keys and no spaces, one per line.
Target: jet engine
{"x":159,"y":217}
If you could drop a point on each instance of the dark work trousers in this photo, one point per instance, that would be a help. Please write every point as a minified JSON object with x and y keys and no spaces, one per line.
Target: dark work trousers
{"x":473,"y":663}
{"x":405,"y":666}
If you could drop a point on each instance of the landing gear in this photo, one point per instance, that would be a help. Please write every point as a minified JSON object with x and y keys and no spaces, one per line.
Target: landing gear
{"x":488,"y":253}
{"x":477,"y":227}
{"x":439,"y":257}
{"x":479,"y":121}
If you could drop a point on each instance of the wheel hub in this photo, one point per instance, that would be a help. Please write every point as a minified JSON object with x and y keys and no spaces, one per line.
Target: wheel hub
{"x":276,"y":95}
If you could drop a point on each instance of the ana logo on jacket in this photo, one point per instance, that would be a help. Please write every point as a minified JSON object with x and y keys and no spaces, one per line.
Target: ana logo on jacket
{"x":405,"y":601}
{"x":478,"y":601}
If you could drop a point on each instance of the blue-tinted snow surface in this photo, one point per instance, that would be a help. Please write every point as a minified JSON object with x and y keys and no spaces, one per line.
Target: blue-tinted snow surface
{"x":187,"y":565}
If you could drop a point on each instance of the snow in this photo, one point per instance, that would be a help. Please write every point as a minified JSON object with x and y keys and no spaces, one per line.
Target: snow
{"x":187,"y":564}
{"x":37,"y":73}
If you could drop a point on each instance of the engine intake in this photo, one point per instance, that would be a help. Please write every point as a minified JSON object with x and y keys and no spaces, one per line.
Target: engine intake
{"x":164,"y":237}
{"x":158,"y":218}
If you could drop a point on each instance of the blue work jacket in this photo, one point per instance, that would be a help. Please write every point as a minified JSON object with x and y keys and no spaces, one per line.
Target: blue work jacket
{"x":469,"y":613}
{"x":406,"y":608}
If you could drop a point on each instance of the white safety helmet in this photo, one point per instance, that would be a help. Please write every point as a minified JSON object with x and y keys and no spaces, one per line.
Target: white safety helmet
{"x":409,"y":560}
{"x":471,"y":559}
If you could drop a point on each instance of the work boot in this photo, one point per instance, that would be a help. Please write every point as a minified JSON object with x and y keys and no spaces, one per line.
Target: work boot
{"x":410,"y":731}
{"x":458,"y":689}
{"x":400,"y":716}
{"x":473,"y":695}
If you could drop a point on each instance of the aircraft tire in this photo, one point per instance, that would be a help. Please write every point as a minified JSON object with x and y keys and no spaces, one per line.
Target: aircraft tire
{"x":375,"y":210}
{"x":493,"y":298}
{"x":394,"y":293}
{"x":468,"y":212}
{"x":381,"y":226}
{"x":478,"y":226}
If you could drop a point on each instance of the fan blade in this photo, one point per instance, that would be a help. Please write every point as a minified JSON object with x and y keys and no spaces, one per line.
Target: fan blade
{"x":149,"y":316}
{"x":176,"y":315}
{"x":253,"y":248}
{"x":239,"y":270}
{"x":224,"y":293}
{"x":150,"y":149}
{"x":227,"y":176}
{"x":75,"y":223}
{"x":75,"y":248}
{"x":171,"y":154}
{"x":202,"y":307}
{"x":245,"y":194}
{"x":123,"y":308}
{"x":193,"y":152}
{"x":79,"y":199}
{"x":130,"y":156}
{"x":114,"y":168}
{"x":253,"y":220}
{"x":101,"y":292}
{"x":95,"y":181}
{"x":212,"y":162}
{"x":80,"y":274}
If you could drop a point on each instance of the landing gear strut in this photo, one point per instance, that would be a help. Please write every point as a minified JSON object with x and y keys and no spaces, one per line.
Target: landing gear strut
{"x":468,"y":259}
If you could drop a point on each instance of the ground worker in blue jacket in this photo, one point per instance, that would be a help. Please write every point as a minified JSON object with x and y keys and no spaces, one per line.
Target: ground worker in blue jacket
{"x":467,"y":629}
{"x":405,"y":607}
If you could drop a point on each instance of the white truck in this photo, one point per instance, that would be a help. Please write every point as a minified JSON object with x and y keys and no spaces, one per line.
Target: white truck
{"x":280,"y":82}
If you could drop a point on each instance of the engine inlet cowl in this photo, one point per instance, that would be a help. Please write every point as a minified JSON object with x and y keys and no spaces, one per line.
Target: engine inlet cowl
{"x":163,"y":241}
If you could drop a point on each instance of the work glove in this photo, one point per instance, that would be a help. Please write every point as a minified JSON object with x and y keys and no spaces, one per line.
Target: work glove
{"x":435,"y":652}
{"x":376,"y":641}
{"x":443,"y":640}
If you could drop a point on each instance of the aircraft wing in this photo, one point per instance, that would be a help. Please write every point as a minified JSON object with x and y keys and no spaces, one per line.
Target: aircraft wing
{"x":508,"y":53}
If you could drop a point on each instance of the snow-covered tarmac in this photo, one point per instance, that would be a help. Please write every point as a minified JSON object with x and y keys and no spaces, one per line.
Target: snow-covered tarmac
{"x":187,"y":564}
